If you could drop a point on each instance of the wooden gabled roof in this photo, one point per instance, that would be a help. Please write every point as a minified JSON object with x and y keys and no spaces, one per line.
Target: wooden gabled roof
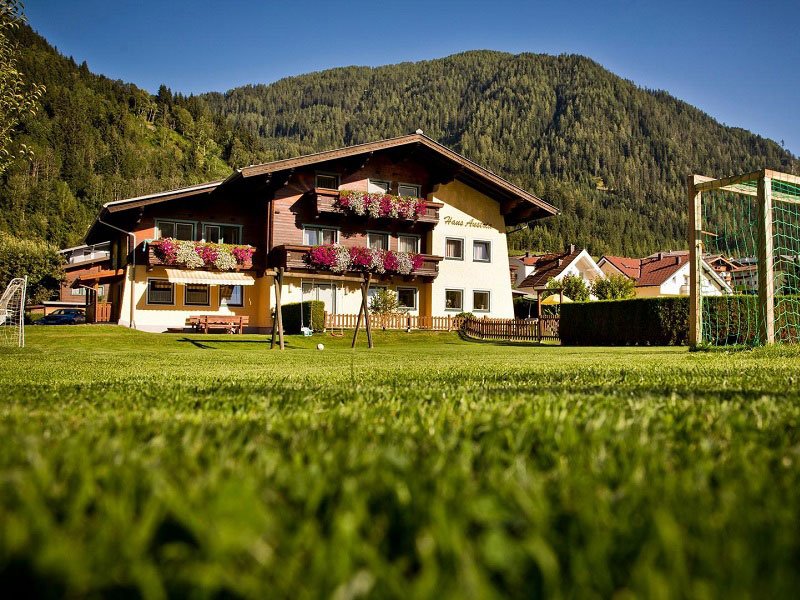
{"x":516,"y":204}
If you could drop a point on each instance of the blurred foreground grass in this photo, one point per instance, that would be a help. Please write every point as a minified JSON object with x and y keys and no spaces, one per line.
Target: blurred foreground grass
{"x":158,"y":465}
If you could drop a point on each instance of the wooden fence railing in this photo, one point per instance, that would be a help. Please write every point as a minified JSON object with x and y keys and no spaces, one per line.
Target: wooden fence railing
{"x":520,"y":330}
{"x":515,"y":330}
{"x":396,"y":322}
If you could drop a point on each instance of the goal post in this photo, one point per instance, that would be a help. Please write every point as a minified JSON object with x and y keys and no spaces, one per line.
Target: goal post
{"x":12,"y":313}
{"x":745,"y":231}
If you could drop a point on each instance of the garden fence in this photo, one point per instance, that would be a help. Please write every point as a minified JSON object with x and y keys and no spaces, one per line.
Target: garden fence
{"x":521,"y":330}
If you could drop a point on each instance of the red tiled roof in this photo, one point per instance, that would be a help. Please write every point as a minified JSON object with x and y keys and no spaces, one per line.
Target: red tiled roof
{"x":547,"y":267}
{"x":630,"y":267}
{"x":656,"y":270}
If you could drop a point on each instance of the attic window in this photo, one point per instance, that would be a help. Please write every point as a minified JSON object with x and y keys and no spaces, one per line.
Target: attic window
{"x":328,"y":181}
{"x":407,"y":189}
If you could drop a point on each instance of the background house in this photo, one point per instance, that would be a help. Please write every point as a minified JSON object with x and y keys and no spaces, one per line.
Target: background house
{"x":663,"y":274}
{"x":533,"y":272}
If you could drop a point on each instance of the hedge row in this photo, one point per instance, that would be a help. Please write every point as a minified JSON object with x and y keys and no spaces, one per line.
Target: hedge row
{"x":312,"y":309}
{"x":642,"y":321}
{"x":727,"y":321}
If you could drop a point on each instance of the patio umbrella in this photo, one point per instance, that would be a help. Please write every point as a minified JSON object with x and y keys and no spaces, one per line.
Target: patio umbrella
{"x":556,"y":299}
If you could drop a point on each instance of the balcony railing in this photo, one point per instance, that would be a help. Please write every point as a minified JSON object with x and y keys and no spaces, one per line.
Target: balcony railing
{"x":154,"y":260}
{"x":326,"y":203}
{"x":294,"y":258}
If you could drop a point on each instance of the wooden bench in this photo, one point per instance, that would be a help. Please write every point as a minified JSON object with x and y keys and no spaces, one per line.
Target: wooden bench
{"x":206,"y":323}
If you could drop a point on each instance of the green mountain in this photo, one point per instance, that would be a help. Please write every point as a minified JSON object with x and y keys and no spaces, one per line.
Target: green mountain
{"x":611,"y":155}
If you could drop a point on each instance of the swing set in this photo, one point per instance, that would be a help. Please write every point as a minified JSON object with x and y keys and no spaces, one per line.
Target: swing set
{"x":277,"y":328}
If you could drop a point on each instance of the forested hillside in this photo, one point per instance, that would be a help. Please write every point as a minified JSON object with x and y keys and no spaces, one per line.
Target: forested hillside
{"x":612,"y":156}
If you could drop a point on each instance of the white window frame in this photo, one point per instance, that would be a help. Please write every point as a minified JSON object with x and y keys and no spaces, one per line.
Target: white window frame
{"x":489,"y":251}
{"x":416,"y":297}
{"x":203,"y":225}
{"x":147,"y":292}
{"x":416,"y":237}
{"x":463,"y":246}
{"x":77,"y":291}
{"x":176,"y":221}
{"x":482,"y":310}
{"x":377,"y":181}
{"x":319,"y":228}
{"x":186,"y":295}
{"x":327,"y":174}
{"x":460,"y":308}
{"x":384,"y":234}
{"x":416,"y":186}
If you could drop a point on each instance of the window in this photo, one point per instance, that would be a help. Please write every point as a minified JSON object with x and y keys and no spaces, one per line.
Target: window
{"x":378,"y":183}
{"x":481,"y":251}
{"x":407,"y":189}
{"x":316,"y":236}
{"x":196,"y":293}
{"x":407,"y":298}
{"x":408,"y":243}
{"x":378,"y":241}
{"x":179,"y":230}
{"x":327,"y":180}
{"x":454,"y":248}
{"x":222,"y":234}
{"x":480,"y":301}
{"x":231,"y":295}
{"x":454,"y":299}
{"x":78,"y":291}
{"x":160,"y":291}
{"x":373,"y":291}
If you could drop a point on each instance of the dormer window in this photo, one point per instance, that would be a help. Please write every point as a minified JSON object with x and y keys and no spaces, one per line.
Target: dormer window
{"x":328,"y":181}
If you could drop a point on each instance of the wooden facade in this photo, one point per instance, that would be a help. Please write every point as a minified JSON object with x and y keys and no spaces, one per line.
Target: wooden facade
{"x":272,"y":208}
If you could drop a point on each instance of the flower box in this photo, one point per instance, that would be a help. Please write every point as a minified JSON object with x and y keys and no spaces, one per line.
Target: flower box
{"x":199,"y":255}
{"x":377,"y":206}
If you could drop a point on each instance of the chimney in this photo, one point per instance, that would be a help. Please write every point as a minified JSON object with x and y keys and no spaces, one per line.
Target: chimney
{"x":527,"y":254}
{"x":660,"y":256}
{"x":570,"y":248}
{"x":560,"y":261}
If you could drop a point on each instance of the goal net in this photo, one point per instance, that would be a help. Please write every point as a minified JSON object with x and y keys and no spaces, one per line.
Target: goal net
{"x":12,"y":313}
{"x":745,"y":232}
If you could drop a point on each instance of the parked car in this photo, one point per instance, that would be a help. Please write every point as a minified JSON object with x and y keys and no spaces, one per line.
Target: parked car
{"x":64,"y":316}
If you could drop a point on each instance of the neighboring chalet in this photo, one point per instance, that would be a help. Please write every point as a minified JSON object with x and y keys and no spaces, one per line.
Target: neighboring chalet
{"x":663,"y":274}
{"x":79,"y":261}
{"x":532,"y":273}
{"x":440,"y":223}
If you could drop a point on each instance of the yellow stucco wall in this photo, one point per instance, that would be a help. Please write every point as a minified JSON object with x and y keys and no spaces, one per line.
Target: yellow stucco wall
{"x":159,"y":317}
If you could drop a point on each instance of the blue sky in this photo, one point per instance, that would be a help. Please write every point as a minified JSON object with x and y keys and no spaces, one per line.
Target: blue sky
{"x":738,"y":61}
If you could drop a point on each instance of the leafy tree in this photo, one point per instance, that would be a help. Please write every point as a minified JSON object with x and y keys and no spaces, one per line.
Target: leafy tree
{"x":384,"y":302}
{"x":17,"y":97}
{"x":614,"y":287}
{"x":574,"y":287}
{"x":40,"y":261}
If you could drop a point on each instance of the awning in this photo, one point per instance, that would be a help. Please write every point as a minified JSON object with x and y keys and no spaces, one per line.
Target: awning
{"x":209,"y":277}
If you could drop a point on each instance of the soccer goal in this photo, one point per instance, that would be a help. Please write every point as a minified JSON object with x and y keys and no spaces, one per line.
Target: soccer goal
{"x":12,"y":313}
{"x":745,"y":231}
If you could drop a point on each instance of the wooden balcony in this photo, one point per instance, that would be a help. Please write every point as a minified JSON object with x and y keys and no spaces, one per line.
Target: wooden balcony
{"x":153,"y":260}
{"x":293,"y":258}
{"x":326,"y":203}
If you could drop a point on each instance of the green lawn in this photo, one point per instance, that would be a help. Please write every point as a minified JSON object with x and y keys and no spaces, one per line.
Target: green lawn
{"x":162,"y":465}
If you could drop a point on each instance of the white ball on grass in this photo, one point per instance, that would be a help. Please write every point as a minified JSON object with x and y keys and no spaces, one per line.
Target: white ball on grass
{"x":320,"y":346}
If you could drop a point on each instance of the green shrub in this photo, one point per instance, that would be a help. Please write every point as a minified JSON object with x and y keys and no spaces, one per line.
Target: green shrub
{"x":727,"y":321}
{"x":39,"y":260}
{"x":312,"y":309}
{"x":640,"y":321}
